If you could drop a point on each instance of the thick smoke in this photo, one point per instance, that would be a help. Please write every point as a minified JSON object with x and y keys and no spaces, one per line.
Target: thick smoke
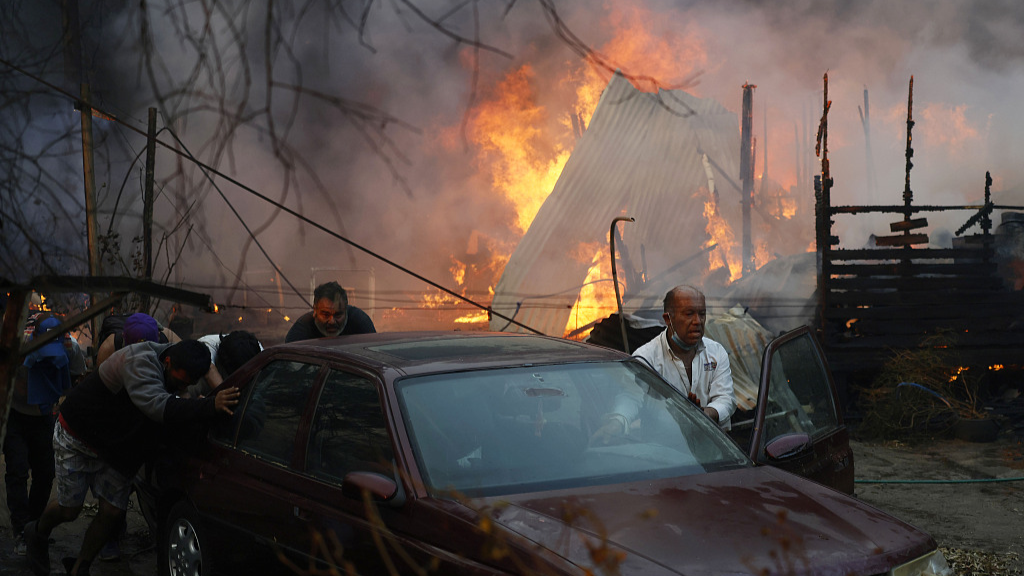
{"x":402,"y":180}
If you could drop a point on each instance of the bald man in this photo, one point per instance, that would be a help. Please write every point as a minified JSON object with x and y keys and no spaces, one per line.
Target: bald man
{"x":696,"y":365}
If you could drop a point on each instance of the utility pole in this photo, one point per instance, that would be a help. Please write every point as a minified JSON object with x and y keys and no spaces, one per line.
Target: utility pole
{"x":747,"y":173}
{"x":89,"y":173}
{"x":147,"y":201}
{"x":75,"y":77}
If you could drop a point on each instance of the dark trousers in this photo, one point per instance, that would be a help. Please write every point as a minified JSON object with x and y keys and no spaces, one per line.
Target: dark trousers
{"x":28,"y":451}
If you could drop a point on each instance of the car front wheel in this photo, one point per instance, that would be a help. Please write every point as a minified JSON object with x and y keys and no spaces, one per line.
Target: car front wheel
{"x":184,"y":546}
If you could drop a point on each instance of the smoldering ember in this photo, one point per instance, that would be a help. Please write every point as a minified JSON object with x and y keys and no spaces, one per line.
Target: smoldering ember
{"x":542,"y":168}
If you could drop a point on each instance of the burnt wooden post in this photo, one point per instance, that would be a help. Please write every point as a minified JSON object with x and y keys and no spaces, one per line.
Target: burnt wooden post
{"x":147,"y":202}
{"x":908,"y":194}
{"x":823,"y":209}
{"x":905,"y":239}
{"x":10,"y":356}
{"x":747,"y":173}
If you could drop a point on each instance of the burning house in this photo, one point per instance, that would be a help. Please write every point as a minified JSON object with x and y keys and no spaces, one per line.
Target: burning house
{"x":908,"y":290}
{"x":664,"y":169}
{"x":668,"y":160}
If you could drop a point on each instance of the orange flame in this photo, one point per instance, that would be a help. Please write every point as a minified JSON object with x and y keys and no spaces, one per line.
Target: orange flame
{"x":596,"y":299}
{"x":479,"y":316}
{"x":720,"y":233}
{"x":522,"y":146}
{"x":762,"y":254}
{"x":524,"y":164}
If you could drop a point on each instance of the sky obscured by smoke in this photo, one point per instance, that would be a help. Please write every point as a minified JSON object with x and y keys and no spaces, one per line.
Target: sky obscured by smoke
{"x":415,"y":188}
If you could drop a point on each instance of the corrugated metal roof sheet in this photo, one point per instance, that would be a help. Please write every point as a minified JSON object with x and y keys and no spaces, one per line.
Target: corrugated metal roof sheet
{"x":641,"y":156}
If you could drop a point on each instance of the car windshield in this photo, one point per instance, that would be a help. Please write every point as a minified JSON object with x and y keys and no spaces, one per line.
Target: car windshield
{"x":533,"y":428}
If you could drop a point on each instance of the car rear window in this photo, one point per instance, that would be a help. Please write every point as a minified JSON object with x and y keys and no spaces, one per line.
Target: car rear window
{"x":474,"y":347}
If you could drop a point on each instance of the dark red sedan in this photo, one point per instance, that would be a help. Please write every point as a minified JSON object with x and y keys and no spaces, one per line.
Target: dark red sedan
{"x":477,"y":453}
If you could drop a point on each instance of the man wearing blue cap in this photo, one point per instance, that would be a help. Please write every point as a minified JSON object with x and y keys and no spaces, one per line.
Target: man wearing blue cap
{"x":28,"y":447}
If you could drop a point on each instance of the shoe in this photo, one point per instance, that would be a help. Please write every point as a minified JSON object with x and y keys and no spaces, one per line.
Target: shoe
{"x":19,"y":544}
{"x":37,"y":551}
{"x":111,"y":551}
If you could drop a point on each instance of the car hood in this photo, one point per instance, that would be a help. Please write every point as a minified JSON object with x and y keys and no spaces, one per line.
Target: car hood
{"x":733,"y":522}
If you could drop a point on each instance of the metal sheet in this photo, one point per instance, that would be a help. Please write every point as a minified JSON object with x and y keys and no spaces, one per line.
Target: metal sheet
{"x":642,"y":156}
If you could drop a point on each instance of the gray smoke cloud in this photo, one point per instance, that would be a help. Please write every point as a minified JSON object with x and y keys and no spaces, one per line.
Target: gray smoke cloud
{"x":400,"y":180}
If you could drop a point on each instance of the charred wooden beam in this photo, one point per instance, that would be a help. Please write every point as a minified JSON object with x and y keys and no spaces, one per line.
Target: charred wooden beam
{"x":11,"y":328}
{"x":963,"y":269}
{"x":877,"y":254}
{"x":902,"y":209}
{"x":77,"y":320}
{"x":908,"y":194}
{"x":901,"y":240}
{"x":92,"y":284}
{"x":852,"y":300}
{"x":914,"y":284}
{"x":904,"y":225}
{"x":923,"y":318}
{"x":822,"y":208}
{"x":747,"y":174}
{"x":984,"y":214}
{"x":997,"y":339}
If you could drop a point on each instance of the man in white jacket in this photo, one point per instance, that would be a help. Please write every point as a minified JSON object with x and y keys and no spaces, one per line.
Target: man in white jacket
{"x":696,"y":365}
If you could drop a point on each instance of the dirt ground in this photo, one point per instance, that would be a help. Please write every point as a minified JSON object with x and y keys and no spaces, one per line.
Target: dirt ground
{"x":983,"y":512}
{"x":973,"y":516}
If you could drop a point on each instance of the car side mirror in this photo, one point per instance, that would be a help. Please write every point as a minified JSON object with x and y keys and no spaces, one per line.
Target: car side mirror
{"x":787,"y":446}
{"x":381,"y":488}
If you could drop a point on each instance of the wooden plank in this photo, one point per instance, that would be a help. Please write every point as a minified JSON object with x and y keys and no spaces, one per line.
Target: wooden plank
{"x":913,"y":284}
{"x":952,"y":312}
{"x":997,"y":298}
{"x":904,"y":225}
{"x":1010,"y":342}
{"x":861,"y":327}
{"x":917,"y":268}
{"x":875,"y":254}
{"x":963,"y":328}
{"x":901,"y":240}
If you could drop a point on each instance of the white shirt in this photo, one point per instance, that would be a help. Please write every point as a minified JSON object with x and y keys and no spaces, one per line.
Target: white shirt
{"x":712,"y":377}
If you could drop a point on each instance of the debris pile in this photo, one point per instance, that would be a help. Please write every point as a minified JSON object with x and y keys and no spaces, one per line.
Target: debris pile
{"x":977,"y":563}
{"x":921,"y":393}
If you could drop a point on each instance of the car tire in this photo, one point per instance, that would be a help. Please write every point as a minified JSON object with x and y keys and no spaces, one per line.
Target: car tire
{"x":184,"y":548}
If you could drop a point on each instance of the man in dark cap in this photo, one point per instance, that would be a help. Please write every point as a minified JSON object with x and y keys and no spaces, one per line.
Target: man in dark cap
{"x":228,"y":352}
{"x":107,"y":425}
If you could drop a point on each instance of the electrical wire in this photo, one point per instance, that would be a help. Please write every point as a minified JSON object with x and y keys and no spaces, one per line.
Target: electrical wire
{"x":234,"y":211}
{"x":282,"y":207}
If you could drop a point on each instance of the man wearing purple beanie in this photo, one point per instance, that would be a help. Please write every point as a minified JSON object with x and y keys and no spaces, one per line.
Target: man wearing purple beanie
{"x":138,"y":327}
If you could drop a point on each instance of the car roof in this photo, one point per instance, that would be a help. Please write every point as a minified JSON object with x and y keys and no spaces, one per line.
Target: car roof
{"x":426,"y":352}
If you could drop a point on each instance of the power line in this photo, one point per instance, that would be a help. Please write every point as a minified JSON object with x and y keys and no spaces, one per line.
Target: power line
{"x":270,"y":201}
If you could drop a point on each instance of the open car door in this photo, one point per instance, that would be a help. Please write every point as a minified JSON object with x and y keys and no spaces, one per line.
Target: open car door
{"x":797,"y":424}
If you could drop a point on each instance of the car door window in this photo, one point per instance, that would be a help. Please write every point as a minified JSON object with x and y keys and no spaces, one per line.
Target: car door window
{"x":800,"y":396}
{"x":273,"y":410}
{"x":349,"y":430}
